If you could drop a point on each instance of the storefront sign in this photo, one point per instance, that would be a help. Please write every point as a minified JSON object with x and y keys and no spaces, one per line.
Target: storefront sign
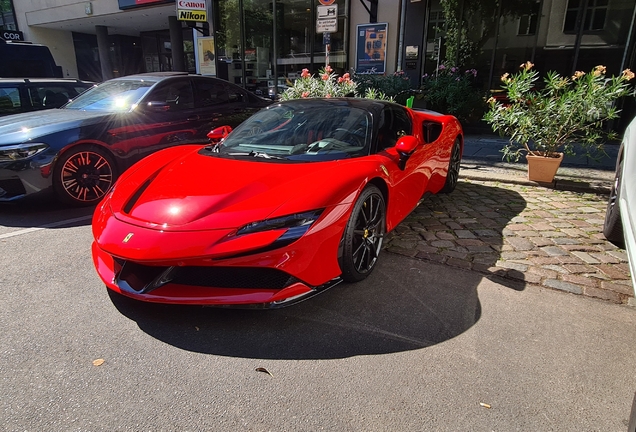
{"x":12,"y":35}
{"x":371,"y":48}
{"x":130,"y":4}
{"x":192,"y":15}
{"x":327,"y":19}
{"x":191,"y":10}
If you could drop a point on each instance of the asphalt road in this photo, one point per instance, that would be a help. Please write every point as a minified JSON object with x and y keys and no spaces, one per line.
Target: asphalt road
{"x":415,"y":347}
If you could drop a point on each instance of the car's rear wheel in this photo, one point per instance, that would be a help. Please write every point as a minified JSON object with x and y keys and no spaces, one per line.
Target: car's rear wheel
{"x":84,"y":175}
{"x":452,"y":177}
{"x":363,"y":235}
{"x":613,"y":226}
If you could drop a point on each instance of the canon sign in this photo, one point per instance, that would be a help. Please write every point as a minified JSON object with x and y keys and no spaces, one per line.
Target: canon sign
{"x":12,"y":35}
{"x":191,"y":4}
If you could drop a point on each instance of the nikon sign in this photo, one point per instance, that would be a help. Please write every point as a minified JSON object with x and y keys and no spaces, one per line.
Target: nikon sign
{"x":192,"y":10}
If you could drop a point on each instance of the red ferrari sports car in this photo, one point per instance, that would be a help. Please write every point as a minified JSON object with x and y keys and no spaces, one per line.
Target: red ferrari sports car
{"x":296,"y":199}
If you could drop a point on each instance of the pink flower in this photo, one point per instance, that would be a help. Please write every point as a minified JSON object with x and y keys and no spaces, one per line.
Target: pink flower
{"x":340,"y":80}
{"x":328,"y":69}
{"x":305,"y":94}
{"x":328,"y":95}
{"x":305,"y":73}
{"x":325,"y":77}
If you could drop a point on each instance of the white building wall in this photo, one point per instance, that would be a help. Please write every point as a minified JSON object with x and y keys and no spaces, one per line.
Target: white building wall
{"x":388,"y":12}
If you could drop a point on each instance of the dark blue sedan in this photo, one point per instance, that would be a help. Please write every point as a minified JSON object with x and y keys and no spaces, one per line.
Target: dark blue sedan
{"x":79,"y":150}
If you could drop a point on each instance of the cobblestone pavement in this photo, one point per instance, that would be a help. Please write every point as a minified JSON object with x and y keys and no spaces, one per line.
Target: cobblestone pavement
{"x":519,"y":235}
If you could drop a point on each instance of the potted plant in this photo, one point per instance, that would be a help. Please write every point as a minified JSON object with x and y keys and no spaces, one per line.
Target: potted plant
{"x":545,"y":123}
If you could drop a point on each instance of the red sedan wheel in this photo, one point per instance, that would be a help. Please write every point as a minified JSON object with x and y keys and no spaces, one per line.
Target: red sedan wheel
{"x":84,"y":176}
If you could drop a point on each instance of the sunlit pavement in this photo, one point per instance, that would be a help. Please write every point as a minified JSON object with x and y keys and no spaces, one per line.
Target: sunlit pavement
{"x":519,"y":233}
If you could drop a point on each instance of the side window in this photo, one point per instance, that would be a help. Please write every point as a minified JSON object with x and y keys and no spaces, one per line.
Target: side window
{"x":394,"y":123}
{"x":10,"y":100}
{"x":45,"y":97}
{"x":210,"y":93}
{"x":177,"y":94}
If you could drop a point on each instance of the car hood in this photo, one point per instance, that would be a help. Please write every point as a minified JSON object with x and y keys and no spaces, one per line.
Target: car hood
{"x":28,"y":126}
{"x":177,"y":190}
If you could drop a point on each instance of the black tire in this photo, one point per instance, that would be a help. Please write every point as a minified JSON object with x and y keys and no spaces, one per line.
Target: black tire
{"x":452,"y":176}
{"x":363,"y":235}
{"x":613,"y":226}
{"x":82,"y":176}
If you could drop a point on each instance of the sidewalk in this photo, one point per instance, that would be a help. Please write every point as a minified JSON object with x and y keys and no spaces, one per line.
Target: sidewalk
{"x":482,"y":160}
{"x":520,"y":232}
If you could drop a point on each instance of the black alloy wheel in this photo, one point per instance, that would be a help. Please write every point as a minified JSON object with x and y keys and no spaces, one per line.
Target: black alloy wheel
{"x":613,"y":226}
{"x":452,"y":177}
{"x":363,"y":235}
{"x":84,"y":176}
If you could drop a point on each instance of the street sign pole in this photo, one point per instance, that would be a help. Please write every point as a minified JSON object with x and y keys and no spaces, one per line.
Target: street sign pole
{"x":326,"y":40}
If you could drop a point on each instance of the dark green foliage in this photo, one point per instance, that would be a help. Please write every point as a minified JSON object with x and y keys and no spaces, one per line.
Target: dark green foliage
{"x":451,"y":91}
{"x":396,"y":85}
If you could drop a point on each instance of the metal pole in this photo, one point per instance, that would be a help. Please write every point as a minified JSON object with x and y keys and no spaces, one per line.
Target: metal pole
{"x":275,"y":47}
{"x":629,"y":40}
{"x":580,"y":20}
{"x":494,"y":49}
{"x":402,"y":30}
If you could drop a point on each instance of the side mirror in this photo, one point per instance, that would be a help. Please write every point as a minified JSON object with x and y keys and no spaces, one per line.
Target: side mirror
{"x":156,"y":106}
{"x":405,"y":147}
{"x":219,"y":133}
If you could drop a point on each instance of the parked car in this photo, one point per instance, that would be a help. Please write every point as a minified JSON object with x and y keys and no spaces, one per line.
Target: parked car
{"x":78,"y":151}
{"x":296,"y":199}
{"x":27,"y":60}
{"x":620,"y":225}
{"x":18,"y":95}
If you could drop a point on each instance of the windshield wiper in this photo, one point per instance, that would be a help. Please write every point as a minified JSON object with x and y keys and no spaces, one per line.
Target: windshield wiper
{"x":265,"y":155}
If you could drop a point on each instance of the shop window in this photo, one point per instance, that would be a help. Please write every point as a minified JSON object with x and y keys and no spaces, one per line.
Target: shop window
{"x":595,"y":15}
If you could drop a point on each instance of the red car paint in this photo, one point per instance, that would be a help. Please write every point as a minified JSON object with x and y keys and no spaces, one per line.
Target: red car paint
{"x":182,"y":208}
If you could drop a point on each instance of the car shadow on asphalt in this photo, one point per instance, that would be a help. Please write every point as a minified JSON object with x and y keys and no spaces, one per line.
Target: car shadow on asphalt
{"x":45,"y":212}
{"x":407,"y":303}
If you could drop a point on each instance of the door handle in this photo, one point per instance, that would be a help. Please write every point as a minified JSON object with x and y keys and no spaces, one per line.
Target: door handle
{"x":193,"y":118}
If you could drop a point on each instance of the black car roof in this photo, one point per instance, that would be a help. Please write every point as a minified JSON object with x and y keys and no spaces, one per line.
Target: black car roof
{"x":160,"y":76}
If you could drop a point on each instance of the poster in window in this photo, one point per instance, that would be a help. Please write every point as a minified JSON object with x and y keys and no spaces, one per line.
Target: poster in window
{"x":371,"y":48}
{"x":205,"y":54}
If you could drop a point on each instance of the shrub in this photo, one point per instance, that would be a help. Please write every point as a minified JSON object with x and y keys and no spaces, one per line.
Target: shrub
{"x":546,"y":121}
{"x":329,"y":85}
{"x":451,"y":91}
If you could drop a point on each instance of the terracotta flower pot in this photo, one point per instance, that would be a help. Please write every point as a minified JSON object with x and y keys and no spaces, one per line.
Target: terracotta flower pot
{"x":543,"y":169}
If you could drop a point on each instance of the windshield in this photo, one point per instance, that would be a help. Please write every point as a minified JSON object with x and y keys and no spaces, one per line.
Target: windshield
{"x":301,"y":132}
{"x":117,"y":95}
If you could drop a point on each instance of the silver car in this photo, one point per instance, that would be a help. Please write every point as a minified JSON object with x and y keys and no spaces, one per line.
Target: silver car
{"x":620,"y":225}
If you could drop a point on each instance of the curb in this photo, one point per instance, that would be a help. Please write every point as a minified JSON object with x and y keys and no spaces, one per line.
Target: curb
{"x":569,"y":178}
{"x":557,"y":184}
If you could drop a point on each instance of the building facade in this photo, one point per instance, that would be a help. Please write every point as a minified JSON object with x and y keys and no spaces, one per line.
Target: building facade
{"x":251,"y":42}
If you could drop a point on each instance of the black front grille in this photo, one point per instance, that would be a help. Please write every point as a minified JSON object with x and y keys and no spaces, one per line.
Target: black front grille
{"x":139,"y":277}
{"x":12,"y":187}
{"x":233,"y":277}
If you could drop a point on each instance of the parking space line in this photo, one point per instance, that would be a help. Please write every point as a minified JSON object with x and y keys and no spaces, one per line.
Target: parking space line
{"x":51,"y":225}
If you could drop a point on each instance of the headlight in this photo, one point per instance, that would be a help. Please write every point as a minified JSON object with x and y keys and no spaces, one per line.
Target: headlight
{"x":296,"y":224}
{"x":21,"y":151}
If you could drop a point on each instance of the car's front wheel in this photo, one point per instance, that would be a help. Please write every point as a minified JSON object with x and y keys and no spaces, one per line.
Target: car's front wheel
{"x":452,"y":176}
{"x":363,"y":235}
{"x":613,"y":226}
{"x":84,"y":175}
